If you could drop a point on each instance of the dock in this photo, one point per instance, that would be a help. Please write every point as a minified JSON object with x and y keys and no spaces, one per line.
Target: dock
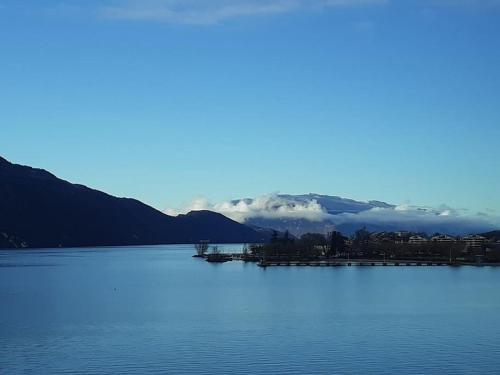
{"x":228,"y":257}
{"x":349,"y":263}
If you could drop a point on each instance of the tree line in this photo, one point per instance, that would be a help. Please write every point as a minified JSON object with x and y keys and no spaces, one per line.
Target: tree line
{"x":314,"y":246}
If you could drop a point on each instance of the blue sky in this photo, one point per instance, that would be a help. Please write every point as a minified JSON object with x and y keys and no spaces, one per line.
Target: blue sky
{"x":166,"y":100}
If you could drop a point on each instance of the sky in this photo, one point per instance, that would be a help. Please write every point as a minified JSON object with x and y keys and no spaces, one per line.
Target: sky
{"x":167,"y":100}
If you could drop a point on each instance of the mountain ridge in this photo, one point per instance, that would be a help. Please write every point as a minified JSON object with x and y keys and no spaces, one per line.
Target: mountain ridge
{"x":37,"y":209}
{"x":322,"y":213}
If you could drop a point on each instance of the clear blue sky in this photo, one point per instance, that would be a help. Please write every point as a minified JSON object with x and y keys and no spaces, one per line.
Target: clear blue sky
{"x":165,"y":100}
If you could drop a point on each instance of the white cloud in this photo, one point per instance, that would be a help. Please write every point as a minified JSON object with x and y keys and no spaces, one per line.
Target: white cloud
{"x":401,"y":217}
{"x":203,"y":12}
{"x":269,"y":206}
{"x":421,"y":219}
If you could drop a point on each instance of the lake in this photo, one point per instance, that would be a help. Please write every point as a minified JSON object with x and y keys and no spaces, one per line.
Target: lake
{"x":137,"y":310}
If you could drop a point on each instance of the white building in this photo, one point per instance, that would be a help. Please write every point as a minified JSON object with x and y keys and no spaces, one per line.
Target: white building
{"x":417,"y":240}
{"x":402,"y":237}
{"x":474,"y":240}
{"x":443,"y":238}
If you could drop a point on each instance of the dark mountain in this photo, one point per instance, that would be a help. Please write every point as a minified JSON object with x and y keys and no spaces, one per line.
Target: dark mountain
{"x":269,"y":232}
{"x":494,"y":235}
{"x":37,"y":209}
{"x":296,"y":226}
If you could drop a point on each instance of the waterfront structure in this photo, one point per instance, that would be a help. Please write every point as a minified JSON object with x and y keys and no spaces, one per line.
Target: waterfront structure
{"x":382,"y":237}
{"x":443,"y":238}
{"x":417,"y":240}
{"x":402,"y":237}
{"x":474,"y":241}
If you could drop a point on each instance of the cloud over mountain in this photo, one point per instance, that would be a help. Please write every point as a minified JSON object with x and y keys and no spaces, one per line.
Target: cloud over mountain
{"x":271,"y":206}
{"x":313,"y":212}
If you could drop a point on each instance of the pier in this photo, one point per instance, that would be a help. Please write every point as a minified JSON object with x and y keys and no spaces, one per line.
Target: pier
{"x":350,"y":263}
{"x":335,"y":262}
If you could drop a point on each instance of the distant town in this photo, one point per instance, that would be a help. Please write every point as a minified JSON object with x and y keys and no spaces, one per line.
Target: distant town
{"x":365,"y":248}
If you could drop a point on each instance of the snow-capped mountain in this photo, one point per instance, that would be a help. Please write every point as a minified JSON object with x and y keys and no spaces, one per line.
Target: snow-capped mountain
{"x":300,"y":214}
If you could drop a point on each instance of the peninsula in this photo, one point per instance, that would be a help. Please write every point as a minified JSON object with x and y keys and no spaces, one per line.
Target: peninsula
{"x":365,"y":248}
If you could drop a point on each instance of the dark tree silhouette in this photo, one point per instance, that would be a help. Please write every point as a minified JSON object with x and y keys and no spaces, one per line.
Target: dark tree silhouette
{"x":361,"y":236}
{"x":336,"y":243}
{"x":274,"y":236}
{"x":201,"y":248}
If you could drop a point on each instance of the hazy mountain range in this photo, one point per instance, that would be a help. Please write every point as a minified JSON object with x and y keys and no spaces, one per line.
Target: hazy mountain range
{"x":37,"y":209}
{"x":322,"y":213}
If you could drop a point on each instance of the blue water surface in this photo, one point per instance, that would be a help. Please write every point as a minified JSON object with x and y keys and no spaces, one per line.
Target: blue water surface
{"x":141,"y":310}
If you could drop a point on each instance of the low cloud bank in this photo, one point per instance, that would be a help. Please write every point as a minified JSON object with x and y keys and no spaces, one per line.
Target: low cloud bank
{"x":418,"y":219}
{"x":403,"y":217}
{"x":270,"y":206}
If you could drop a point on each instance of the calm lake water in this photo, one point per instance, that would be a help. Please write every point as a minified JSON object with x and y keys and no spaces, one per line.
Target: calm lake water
{"x":139,"y":310}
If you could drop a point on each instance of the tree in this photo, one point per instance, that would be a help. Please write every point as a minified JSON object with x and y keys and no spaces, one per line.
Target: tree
{"x":201,"y":248}
{"x":256,"y":249}
{"x":311,"y":241}
{"x":361,"y":236}
{"x":336,"y":243}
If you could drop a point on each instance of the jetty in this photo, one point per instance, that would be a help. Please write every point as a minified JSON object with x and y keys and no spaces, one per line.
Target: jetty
{"x":228,"y":257}
{"x":349,"y":263}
